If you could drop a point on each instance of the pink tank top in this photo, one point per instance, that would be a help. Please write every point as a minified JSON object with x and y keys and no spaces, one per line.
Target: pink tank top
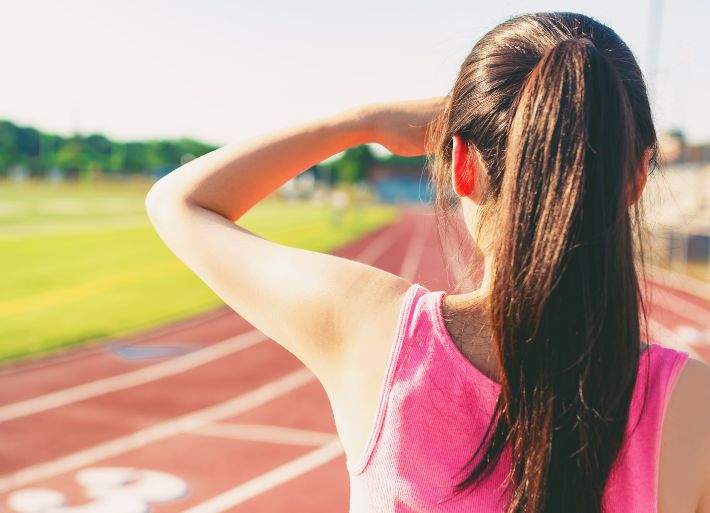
{"x":433,"y":410}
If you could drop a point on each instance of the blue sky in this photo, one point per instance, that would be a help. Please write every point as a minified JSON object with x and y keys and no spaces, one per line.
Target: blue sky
{"x":226,"y":70}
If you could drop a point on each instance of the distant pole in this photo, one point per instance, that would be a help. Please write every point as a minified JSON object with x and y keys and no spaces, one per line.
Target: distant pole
{"x":655,"y":19}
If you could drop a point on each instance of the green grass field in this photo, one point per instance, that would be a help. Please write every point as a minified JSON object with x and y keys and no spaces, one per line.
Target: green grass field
{"x":81,"y":262}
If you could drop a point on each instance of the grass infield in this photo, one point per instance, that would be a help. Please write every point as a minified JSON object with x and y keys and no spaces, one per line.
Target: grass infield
{"x":82,"y":262}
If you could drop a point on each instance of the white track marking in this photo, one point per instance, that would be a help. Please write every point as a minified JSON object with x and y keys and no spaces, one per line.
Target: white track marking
{"x":168,"y":368}
{"x":145,"y":484}
{"x":676,"y":280}
{"x":378,"y":246}
{"x":180,"y":325}
{"x":36,"y":500}
{"x":415,"y":250}
{"x":681,"y":306}
{"x":109,"y":490}
{"x":668,"y":338}
{"x":157,"y":432}
{"x":99,"y":345}
{"x":131,"y":379}
{"x":270,"y":479}
{"x":148,"y":485}
{"x":265,"y":433}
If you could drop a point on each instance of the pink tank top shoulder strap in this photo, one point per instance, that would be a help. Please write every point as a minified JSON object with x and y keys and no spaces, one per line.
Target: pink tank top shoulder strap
{"x":404,"y":331}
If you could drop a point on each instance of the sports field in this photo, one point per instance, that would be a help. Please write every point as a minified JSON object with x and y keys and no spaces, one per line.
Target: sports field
{"x":208,"y":415}
{"x":81,"y":262}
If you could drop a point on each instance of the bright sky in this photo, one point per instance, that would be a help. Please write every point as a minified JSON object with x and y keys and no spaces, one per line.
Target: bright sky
{"x":221,"y":70}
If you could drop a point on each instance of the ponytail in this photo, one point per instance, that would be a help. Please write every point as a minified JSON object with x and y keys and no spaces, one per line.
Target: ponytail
{"x":564,"y":293}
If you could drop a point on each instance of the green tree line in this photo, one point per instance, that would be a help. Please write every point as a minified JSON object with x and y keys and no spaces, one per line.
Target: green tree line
{"x":38,"y":152}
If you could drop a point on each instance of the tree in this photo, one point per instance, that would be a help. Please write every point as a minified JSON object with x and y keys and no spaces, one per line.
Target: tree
{"x":354,"y":164}
{"x":40,"y":152}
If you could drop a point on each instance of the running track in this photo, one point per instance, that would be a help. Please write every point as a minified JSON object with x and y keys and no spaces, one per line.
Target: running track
{"x":236,"y":421}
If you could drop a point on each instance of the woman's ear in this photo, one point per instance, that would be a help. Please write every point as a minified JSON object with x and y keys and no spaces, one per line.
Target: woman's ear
{"x":463,"y":169}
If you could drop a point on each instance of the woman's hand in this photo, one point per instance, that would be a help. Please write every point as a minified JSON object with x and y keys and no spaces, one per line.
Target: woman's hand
{"x":401,"y":127}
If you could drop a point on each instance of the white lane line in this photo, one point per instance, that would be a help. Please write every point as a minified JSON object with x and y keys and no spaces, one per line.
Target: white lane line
{"x":168,"y":368}
{"x":157,"y":432}
{"x":379,"y":245}
{"x":270,"y":479}
{"x":131,"y":379}
{"x":415,"y":250}
{"x":679,"y":281}
{"x":667,"y":337}
{"x":178,"y":325}
{"x":680,"y":306}
{"x":98,"y":346}
{"x":265,"y":433}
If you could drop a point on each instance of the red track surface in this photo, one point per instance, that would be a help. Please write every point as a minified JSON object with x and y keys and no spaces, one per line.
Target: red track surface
{"x":186,"y":414}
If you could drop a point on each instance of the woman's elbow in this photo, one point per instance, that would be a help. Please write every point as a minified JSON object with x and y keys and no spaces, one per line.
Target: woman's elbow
{"x":159,"y":201}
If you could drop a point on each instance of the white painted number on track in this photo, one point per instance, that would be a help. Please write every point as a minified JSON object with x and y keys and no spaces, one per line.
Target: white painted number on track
{"x":692,"y":335}
{"x":109,"y":490}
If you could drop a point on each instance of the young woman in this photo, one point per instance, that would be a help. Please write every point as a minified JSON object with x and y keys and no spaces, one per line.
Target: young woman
{"x":534,"y":393}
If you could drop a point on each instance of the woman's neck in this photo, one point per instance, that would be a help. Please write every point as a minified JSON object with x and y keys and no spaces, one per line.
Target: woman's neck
{"x":466,"y":320}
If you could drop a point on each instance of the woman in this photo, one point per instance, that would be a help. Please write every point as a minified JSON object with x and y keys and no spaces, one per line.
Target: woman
{"x":533,"y":393}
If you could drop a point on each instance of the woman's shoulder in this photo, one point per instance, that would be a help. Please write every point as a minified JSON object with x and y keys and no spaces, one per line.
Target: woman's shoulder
{"x":373,"y":356}
{"x":685,"y":441}
{"x":691,"y":393}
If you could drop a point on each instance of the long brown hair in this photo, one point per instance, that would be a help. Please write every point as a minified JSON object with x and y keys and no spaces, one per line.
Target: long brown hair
{"x":556,"y":107}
